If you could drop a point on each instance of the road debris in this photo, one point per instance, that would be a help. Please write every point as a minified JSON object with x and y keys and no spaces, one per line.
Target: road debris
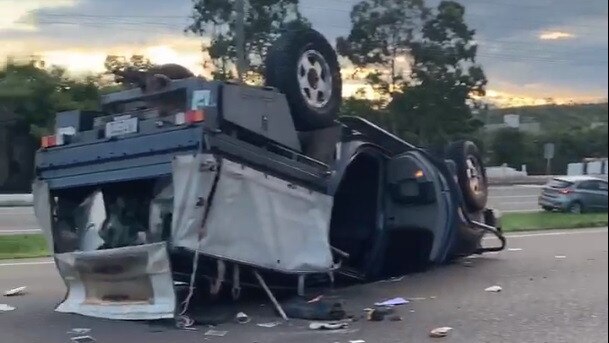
{"x":6,"y":308}
{"x":83,"y":339}
{"x":560,"y":257}
{"x":322,"y":309}
{"x":395,"y":318}
{"x":242,"y":318}
{"x":79,"y":331}
{"x":378,"y":314}
{"x":268,"y":325}
{"x":514,"y":249}
{"x":15,"y":291}
{"x":393,"y":279}
{"x":494,"y":289}
{"x":393,"y":302}
{"x":316,"y":299}
{"x":328,"y":325}
{"x":357,"y":341}
{"x":468,"y":264}
{"x":417,"y":299}
{"x":185,"y":323}
{"x":216,"y":333}
{"x":440,"y":332}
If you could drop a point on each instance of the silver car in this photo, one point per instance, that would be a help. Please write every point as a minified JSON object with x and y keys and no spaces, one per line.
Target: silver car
{"x":575,"y":194}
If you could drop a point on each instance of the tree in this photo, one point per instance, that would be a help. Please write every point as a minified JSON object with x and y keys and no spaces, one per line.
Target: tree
{"x":446,"y":81}
{"x":264,"y":20}
{"x":114,"y":63}
{"x":382,"y":32}
{"x":35,"y":94}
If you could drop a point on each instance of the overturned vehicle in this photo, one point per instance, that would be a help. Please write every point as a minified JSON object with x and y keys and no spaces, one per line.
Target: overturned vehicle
{"x":180,"y":178}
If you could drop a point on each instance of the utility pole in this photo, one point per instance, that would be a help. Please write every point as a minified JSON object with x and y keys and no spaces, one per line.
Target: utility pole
{"x":240,"y":38}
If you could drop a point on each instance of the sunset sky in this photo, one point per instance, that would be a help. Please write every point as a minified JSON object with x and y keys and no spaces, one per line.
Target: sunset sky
{"x":530,"y":50}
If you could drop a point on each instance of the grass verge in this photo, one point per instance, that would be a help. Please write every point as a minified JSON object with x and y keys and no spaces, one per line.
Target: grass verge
{"x":30,"y":246}
{"x":22,"y":246}
{"x":551,"y":221}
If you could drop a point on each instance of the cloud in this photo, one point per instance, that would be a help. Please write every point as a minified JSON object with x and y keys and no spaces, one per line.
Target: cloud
{"x":555,"y":35}
{"x":14,"y":15}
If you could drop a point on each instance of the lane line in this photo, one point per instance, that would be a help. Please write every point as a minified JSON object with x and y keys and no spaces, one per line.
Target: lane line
{"x":560,"y":233}
{"x":16,"y":264}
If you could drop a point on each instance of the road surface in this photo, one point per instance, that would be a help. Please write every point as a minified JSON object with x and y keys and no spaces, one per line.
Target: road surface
{"x":520,"y":198}
{"x":554,"y":290}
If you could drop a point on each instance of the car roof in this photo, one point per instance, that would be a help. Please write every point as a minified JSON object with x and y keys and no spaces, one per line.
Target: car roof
{"x":578,"y":178}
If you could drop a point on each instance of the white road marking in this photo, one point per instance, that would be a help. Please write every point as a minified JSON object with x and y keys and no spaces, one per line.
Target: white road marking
{"x":16,"y":264}
{"x":513,"y":196}
{"x":559,"y":233}
{"x":19,"y":231}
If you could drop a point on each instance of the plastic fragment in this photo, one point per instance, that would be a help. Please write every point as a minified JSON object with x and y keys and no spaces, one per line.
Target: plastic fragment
{"x":328,"y":325}
{"x":216,"y":333}
{"x":242,"y":318}
{"x":268,"y":325}
{"x":440,"y":332}
{"x":79,"y":331}
{"x":494,"y":289}
{"x":393,"y":302}
{"x":6,"y":308}
{"x":15,"y":291}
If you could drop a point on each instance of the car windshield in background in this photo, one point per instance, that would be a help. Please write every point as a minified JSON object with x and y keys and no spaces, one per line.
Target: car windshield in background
{"x":559,"y":183}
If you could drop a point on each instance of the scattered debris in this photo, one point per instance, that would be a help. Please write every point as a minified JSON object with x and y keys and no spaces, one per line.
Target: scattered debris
{"x":242,"y":318}
{"x":396,"y":318}
{"x":268,"y":325}
{"x":328,"y":325}
{"x":514,"y":249}
{"x":6,"y":308}
{"x":322,"y":309}
{"x":468,"y":264}
{"x":375,"y":316}
{"x":440,"y":332}
{"x":79,"y":331}
{"x":83,"y":339}
{"x":432,"y":297}
{"x":411,"y":311}
{"x":417,"y":299}
{"x":270,"y":295}
{"x":216,"y":333}
{"x":185,"y":323}
{"x":494,"y":289}
{"x":560,"y":257}
{"x":316,"y":299}
{"x":392,"y":302}
{"x":15,"y":291}
{"x":393,"y":279}
{"x":357,"y":341}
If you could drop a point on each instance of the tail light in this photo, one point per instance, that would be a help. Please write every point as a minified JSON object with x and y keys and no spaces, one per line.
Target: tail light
{"x":49,"y":141}
{"x":190,"y":117}
{"x":566,"y":191}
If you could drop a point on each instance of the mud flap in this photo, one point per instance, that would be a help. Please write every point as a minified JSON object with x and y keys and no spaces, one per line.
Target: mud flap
{"x":131,"y":283}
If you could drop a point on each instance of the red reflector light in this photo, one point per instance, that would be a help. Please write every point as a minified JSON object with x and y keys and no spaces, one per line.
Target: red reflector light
{"x":565,"y":191}
{"x":48,"y":141}
{"x":194,"y":116}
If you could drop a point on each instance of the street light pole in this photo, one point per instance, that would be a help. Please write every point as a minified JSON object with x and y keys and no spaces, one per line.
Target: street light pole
{"x":240,"y":38}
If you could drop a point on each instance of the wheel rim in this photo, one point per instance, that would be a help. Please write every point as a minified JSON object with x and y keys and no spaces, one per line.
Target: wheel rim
{"x":314,"y":79}
{"x":576,"y":208}
{"x":474,"y":175}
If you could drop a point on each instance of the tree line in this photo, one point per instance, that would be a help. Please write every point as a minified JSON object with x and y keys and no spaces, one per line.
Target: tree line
{"x":421,"y":78}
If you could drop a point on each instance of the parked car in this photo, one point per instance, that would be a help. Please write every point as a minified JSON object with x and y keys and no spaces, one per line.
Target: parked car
{"x":574,"y":194}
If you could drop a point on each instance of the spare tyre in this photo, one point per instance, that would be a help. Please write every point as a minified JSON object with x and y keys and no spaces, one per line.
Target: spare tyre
{"x":303,"y":65}
{"x":471,"y":174}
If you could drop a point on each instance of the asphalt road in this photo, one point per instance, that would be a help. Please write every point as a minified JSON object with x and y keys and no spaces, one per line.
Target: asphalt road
{"x":544,"y":299}
{"x":519,"y":198}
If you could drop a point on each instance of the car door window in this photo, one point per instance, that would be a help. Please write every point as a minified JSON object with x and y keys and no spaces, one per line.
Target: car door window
{"x":589,"y":185}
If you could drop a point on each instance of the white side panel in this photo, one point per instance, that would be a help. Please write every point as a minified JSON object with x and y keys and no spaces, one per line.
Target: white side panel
{"x":193,"y":178}
{"x":131,"y":283}
{"x":267,"y":222}
{"x":42,"y":210}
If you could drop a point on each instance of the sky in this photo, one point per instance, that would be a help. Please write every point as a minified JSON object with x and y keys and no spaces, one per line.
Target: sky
{"x":531,"y":50}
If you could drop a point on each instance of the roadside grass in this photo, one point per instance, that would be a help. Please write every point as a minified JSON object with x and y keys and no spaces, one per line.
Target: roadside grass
{"x":551,"y":220}
{"x":30,"y":246}
{"x":22,"y":246}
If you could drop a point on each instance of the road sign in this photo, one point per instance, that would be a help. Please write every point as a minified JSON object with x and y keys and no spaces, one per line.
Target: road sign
{"x":548,"y":151}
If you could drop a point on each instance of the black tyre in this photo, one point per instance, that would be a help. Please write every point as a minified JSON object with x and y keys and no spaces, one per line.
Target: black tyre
{"x":303,"y":65}
{"x":471,"y":174}
{"x":576,"y":207}
{"x":547,"y":208}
